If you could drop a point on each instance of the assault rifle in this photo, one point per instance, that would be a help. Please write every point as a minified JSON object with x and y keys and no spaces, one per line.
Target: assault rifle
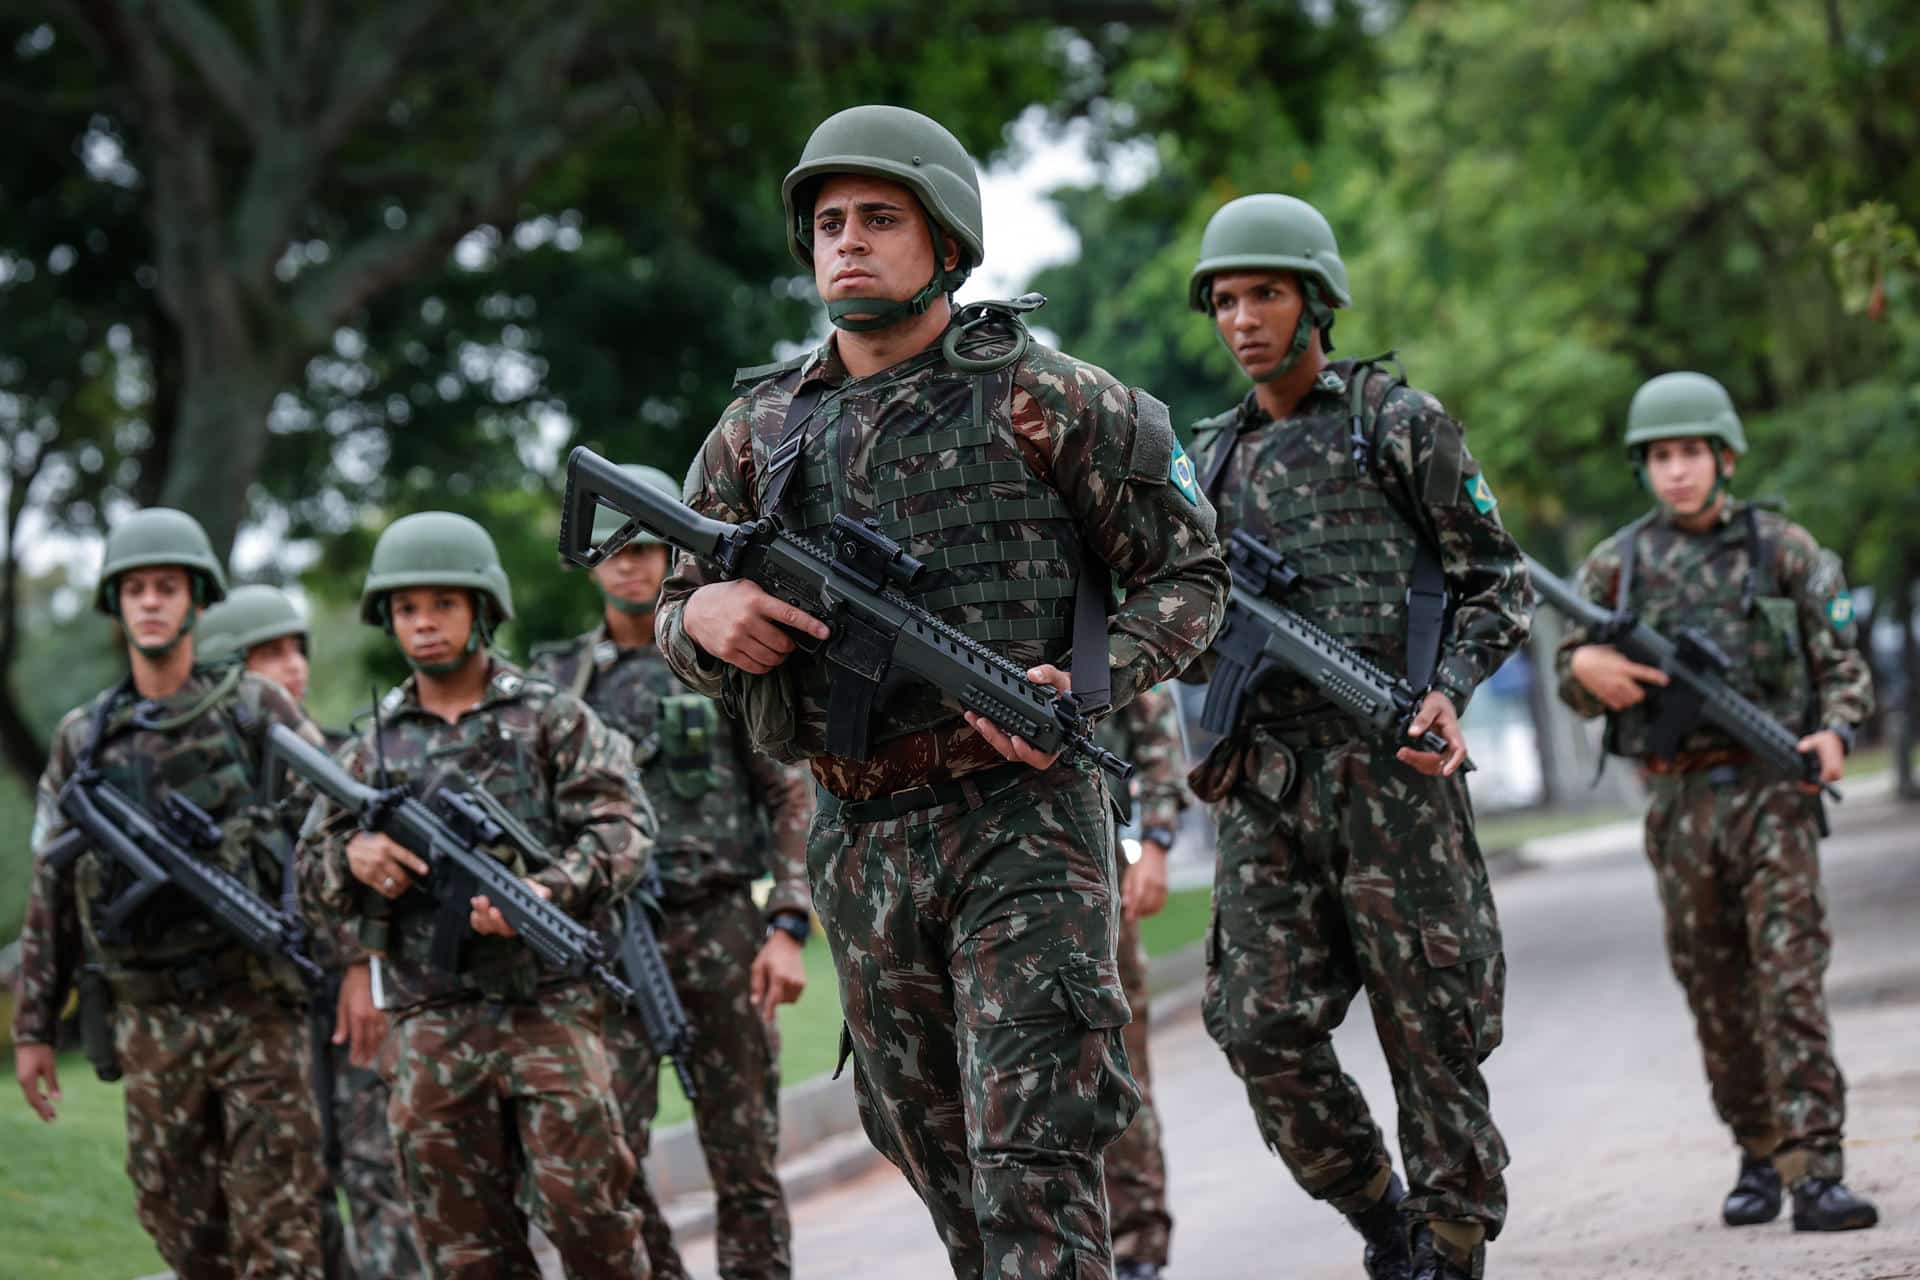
{"x":161,"y":849}
{"x":455,"y":831}
{"x":1262,"y":635}
{"x":1697,"y":691}
{"x":855,"y":586}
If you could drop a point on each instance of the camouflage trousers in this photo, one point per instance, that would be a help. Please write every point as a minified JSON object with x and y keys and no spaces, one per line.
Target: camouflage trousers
{"x":489,"y":1098}
{"x":1137,"y":1163}
{"x":1343,"y":871}
{"x":223,"y":1137}
{"x":383,"y":1242}
{"x":1738,"y":867}
{"x":710,"y":942}
{"x":974,"y":944}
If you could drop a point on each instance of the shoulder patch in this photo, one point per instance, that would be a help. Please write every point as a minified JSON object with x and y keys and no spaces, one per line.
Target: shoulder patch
{"x":391,"y":702}
{"x":1840,"y":611}
{"x":1480,"y":493}
{"x":1154,"y":444}
{"x":1180,"y":472}
{"x":605,"y":654}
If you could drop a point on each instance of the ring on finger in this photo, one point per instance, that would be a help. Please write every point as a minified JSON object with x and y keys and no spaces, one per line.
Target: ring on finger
{"x":387,"y":884}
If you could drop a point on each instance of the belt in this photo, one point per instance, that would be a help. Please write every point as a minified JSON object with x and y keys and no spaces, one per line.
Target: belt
{"x":195,"y":976}
{"x":982,"y":784}
{"x":1698,"y":761}
{"x":1332,"y":731}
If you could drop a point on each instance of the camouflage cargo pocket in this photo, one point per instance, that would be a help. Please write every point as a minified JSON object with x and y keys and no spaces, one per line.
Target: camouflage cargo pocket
{"x":1461,"y":941}
{"x":1054,"y":1064}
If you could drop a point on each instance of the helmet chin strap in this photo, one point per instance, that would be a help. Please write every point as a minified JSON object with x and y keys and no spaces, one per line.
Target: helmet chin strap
{"x":1706,"y":503}
{"x":864,"y":315}
{"x":632,"y":608}
{"x":1314,"y":314}
{"x":155,"y":652}
{"x":477,"y":635}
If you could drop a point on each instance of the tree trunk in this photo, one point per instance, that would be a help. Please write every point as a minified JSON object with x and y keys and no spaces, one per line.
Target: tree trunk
{"x":220,"y":437}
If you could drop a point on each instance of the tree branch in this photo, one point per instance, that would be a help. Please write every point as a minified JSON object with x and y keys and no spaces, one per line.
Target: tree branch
{"x":374,"y":54}
{"x":224,"y":67}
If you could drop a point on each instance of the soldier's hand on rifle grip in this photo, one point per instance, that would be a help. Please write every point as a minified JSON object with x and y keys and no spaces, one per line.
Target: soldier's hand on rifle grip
{"x":356,"y":1023}
{"x":1612,"y":677}
{"x":383,"y":865}
{"x":1832,"y":753}
{"x":487,"y":918}
{"x":1010,"y":745}
{"x":745,"y":627}
{"x":33,"y":1067}
{"x":1437,"y":714}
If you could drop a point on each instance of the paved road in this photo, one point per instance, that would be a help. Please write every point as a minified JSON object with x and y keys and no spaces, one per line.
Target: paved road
{"x":1618,"y":1163}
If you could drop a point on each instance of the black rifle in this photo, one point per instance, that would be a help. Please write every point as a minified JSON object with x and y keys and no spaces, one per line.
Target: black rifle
{"x":878,"y":633}
{"x":1261,"y":636}
{"x":1697,"y":691}
{"x":454,"y":831}
{"x":158,"y":850}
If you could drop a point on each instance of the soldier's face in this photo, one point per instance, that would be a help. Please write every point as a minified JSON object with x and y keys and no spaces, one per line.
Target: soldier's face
{"x":283,"y":661}
{"x":1256,"y":313}
{"x":1682,"y":471}
{"x":154,"y":603}
{"x":635,"y":574}
{"x":870,"y":240}
{"x":431,"y":623}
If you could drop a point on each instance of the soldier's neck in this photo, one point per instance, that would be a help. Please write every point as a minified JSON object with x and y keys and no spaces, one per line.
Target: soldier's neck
{"x":865,"y":354}
{"x":452,"y":696}
{"x":1708,"y":517}
{"x":1283,"y":395}
{"x":630,"y":630}
{"x":161,"y":677}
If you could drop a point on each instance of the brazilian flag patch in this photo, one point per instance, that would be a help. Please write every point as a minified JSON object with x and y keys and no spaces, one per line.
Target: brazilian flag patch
{"x":1180,"y":472}
{"x":1480,"y":494}
{"x":1840,"y":611}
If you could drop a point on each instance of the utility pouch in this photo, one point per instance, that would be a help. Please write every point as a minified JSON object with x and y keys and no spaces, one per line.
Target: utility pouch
{"x":96,"y":1023}
{"x":688,"y":726}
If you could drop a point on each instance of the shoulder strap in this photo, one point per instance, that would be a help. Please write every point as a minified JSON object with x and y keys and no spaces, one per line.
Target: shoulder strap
{"x":1629,"y":554}
{"x":796,"y":433}
{"x":97,"y":725}
{"x":1223,"y":437}
{"x":1427,"y":589}
{"x":1760,"y":575}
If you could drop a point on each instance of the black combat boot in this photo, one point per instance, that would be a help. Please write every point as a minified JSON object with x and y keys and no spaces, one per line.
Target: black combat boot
{"x":1384,"y":1228}
{"x":1136,"y":1270}
{"x":1430,"y":1264}
{"x":1825,"y":1204}
{"x":1755,"y":1197}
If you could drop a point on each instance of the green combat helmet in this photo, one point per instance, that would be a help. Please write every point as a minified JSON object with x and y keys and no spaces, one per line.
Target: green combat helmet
{"x":1269,"y":232}
{"x":250,"y":615}
{"x":159,"y":536}
{"x":901,"y":146}
{"x":1682,"y":404}
{"x":606,"y":521}
{"x":438,"y":549}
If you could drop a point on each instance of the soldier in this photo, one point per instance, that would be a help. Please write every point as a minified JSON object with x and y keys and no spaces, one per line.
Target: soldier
{"x":966,"y":882}
{"x":1147,"y":733}
{"x":1344,"y":863}
{"x":732,"y":962}
{"x":264,"y":630}
{"x":223,"y":1139}
{"x":501,"y":1080}
{"x":1733,"y":847}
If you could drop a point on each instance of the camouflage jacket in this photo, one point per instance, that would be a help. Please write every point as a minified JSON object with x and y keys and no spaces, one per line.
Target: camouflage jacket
{"x":212,"y":759}
{"x":696,"y":768}
{"x":1796,"y":653}
{"x":1147,"y":732}
{"x":551,"y":762}
{"x":1128,"y":493}
{"x":1280,"y":475}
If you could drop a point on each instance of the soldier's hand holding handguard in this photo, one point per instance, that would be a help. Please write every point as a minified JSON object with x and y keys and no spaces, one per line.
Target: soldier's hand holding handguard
{"x":745,"y":627}
{"x":1832,"y":754}
{"x":1012,"y":746}
{"x":1612,"y":676}
{"x":1436,"y":713}
{"x":487,"y":918}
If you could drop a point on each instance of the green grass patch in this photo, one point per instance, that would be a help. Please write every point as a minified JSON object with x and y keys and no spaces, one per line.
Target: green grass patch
{"x":66,"y":1207}
{"x":1506,"y":831}
{"x":1180,"y":923}
{"x":16,"y":852}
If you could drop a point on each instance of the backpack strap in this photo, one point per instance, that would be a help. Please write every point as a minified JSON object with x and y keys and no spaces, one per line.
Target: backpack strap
{"x":1427,"y":601}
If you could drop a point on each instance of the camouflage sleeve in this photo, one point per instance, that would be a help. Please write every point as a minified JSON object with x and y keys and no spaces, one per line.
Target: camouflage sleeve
{"x":1818,"y":586}
{"x":1594,"y":580}
{"x":1112,"y":455}
{"x":332,"y":901}
{"x":278,"y":707}
{"x":1160,"y":769}
{"x":788,"y":795}
{"x":50,"y":942}
{"x":1491,"y":598}
{"x":594,"y":800}
{"x":718,"y":484}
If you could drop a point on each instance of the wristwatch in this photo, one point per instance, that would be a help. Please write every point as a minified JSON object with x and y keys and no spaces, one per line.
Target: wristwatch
{"x":1845,"y":733}
{"x":795,"y":924}
{"x":1158,"y":835}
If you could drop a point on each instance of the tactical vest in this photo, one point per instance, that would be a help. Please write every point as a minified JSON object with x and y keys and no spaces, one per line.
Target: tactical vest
{"x":489,"y":750}
{"x":211,"y":758}
{"x":939,"y":469}
{"x":1313,"y":494}
{"x":1739,"y":609}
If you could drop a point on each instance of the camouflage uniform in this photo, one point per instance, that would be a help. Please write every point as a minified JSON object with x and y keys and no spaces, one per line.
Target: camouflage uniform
{"x":501,"y":1081}
{"x":223,"y":1138}
{"x":385,"y":1246}
{"x":970,"y":905}
{"x":1734,"y":847}
{"x":696,"y":769}
{"x":1147,"y":733}
{"x":1340,"y":867}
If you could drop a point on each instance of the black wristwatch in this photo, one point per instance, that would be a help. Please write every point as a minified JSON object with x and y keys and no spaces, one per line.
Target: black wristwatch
{"x":1158,"y":835}
{"x":1845,"y":733}
{"x":795,"y":924}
